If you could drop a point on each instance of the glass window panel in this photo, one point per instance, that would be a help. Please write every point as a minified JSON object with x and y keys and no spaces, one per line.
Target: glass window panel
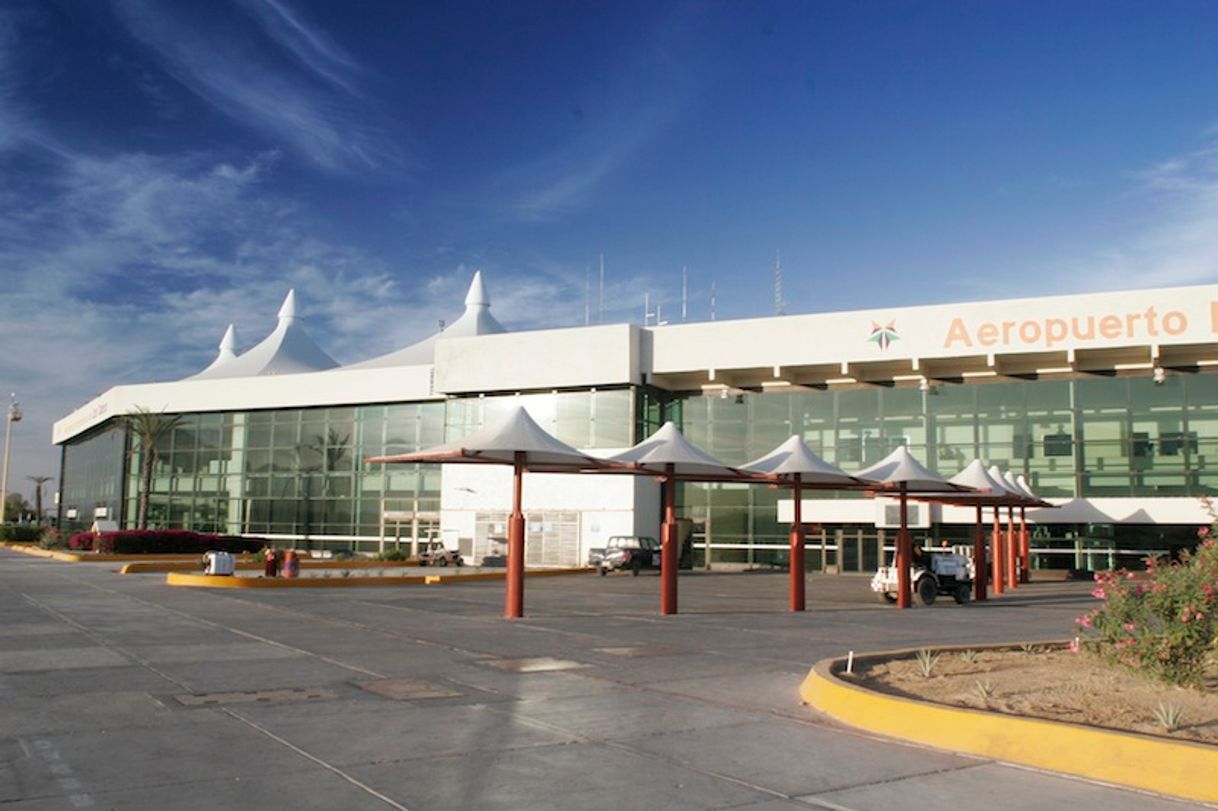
{"x":612,"y":420}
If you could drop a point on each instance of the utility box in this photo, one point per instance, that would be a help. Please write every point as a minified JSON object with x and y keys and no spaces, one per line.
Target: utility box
{"x":218,"y":563}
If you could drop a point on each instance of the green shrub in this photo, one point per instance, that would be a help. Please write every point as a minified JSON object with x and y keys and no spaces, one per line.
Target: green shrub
{"x":19,"y":533}
{"x":394,"y":554}
{"x":1163,"y":625}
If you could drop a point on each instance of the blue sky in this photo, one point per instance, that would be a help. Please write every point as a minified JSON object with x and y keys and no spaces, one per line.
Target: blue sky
{"x":167,"y":168}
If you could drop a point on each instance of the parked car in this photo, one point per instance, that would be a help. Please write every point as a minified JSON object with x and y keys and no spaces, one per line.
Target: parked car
{"x":435,"y":553}
{"x":626,"y":552}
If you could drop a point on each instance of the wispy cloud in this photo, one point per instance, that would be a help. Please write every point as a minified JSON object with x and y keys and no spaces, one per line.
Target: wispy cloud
{"x":648,"y":93}
{"x":258,"y":87}
{"x":127,"y":268}
{"x":312,"y":47}
{"x":1174,"y":240}
{"x":14,"y":122}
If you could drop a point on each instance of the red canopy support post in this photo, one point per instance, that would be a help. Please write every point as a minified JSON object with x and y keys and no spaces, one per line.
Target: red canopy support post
{"x":1011,"y":551}
{"x":1025,"y":552}
{"x":904,"y":552}
{"x":797,"y":550}
{"x":668,"y":546}
{"x":513,"y":601}
{"x":979,"y":571}
{"x":996,"y":558}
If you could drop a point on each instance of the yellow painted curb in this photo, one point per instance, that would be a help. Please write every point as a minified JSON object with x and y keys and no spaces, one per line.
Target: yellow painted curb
{"x":1177,"y":768}
{"x":214,"y":582}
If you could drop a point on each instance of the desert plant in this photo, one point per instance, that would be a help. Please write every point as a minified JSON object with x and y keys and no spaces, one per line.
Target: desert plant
{"x":38,"y":481}
{"x":969,"y":656}
{"x":985,"y":689}
{"x":1029,"y":648}
{"x":148,"y":429}
{"x":927,"y":660}
{"x":52,"y":539}
{"x":1169,"y":716}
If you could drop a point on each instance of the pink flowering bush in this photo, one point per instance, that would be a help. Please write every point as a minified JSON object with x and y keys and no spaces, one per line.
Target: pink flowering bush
{"x":1164,"y":625}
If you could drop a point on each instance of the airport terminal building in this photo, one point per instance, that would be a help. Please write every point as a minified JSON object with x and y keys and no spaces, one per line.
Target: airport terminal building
{"x":1107,"y":403}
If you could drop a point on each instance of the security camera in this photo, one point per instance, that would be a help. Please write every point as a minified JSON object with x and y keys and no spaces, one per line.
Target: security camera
{"x":1159,"y":375}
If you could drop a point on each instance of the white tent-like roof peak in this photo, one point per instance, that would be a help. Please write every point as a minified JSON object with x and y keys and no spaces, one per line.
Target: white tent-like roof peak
{"x":287,"y":350}
{"x":477,"y":296}
{"x":476,"y":320}
{"x":228,"y":344}
{"x":287,"y":310}
{"x":225,"y":358}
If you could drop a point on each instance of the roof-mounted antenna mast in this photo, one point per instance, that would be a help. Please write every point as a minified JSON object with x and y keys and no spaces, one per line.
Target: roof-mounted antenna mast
{"x":779,"y":304}
{"x":684,"y":292}
{"x":587,"y":296}
{"x":601,"y":317}
{"x":712,"y":301}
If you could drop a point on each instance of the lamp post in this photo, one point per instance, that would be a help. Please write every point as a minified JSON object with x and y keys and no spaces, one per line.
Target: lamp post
{"x":14,"y":415}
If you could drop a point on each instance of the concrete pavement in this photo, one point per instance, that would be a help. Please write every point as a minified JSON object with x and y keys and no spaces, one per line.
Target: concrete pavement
{"x":121,"y":692}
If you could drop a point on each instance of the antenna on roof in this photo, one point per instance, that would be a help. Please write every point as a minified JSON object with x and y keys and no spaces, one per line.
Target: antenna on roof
{"x":587,"y":296}
{"x":712,"y":301}
{"x":647,"y":313}
{"x":684,"y":292}
{"x":779,"y":305}
{"x":601,"y":317}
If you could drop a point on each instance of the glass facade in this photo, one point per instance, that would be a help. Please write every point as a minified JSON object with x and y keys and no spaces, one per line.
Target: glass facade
{"x":300,"y":472}
{"x":1101,"y":437}
{"x":92,"y":477}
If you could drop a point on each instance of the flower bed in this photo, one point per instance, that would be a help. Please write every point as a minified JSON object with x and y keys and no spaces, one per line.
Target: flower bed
{"x":160,"y":541}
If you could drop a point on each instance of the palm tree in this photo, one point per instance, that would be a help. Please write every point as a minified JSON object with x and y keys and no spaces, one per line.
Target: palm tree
{"x":148,"y":428}
{"x":39,"y":481}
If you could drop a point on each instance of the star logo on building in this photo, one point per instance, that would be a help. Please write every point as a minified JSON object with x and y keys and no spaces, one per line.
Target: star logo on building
{"x":884,"y":334}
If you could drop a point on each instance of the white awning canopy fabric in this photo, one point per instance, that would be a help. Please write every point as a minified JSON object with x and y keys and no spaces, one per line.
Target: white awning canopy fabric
{"x":667,"y":450}
{"x":793,"y":457}
{"x":500,"y":443}
{"x":901,"y":468}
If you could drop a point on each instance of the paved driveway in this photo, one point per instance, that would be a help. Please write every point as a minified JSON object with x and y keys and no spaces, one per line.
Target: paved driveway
{"x":121,"y":692}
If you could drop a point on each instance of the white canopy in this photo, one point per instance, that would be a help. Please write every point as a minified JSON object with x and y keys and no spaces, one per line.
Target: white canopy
{"x":983,"y":489}
{"x":999,"y":477}
{"x":794,"y":457}
{"x":500,"y":442}
{"x":1022,"y":484}
{"x":899,"y":467}
{"x":975,"y":475}
{"x":668,"y":446}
